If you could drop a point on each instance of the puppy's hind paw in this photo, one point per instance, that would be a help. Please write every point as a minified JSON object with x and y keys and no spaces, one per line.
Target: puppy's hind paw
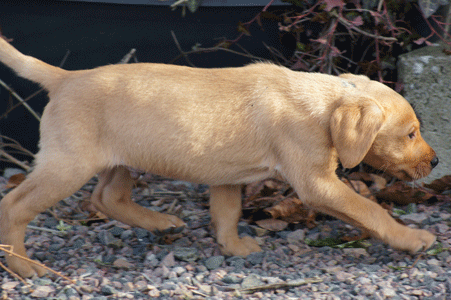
{"x":240,"y":246}
{"x":24,"y":268}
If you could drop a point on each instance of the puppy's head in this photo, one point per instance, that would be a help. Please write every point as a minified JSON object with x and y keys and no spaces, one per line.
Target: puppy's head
{"x":376,"y":125}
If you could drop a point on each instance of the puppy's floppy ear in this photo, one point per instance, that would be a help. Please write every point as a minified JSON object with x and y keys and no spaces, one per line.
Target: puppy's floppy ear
{"x":354,"y":126}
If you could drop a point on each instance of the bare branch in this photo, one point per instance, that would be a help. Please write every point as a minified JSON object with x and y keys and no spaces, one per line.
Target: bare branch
{"x":22,"y":101}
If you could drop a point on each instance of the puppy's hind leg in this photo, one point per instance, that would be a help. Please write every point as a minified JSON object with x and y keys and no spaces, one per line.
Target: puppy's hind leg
{"x":49,"y":182}
{"x":112,"y":196}
{"x":225,"y":209}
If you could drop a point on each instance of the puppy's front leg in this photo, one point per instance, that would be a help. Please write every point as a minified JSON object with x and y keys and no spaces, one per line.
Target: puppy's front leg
{"x":333,"y":197}
{"x":225,"y":209}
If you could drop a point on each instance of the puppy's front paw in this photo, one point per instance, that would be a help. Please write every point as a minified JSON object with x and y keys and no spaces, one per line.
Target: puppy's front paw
{"x":413,"y":240}
{"x":240,"y":247}
{"x":422,"y":241}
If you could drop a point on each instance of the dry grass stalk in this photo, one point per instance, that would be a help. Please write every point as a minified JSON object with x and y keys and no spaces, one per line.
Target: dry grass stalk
{"x":9,"y":250}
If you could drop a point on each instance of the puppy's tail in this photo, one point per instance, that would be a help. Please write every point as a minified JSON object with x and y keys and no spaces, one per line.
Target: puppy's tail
{"x":29,"y":67}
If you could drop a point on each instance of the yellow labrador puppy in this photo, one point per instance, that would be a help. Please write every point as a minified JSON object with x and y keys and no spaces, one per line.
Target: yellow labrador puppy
{"x":222,"y":127}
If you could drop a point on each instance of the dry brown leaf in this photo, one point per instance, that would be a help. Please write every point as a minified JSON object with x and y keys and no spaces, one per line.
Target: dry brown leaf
{"x":379,"y":182}
{"x":363,"y":176}
{"x":292,"y":210}
{"x":363,"y":236}
{"x":98,"y":215}
{"x":285,"y":208}
{"x":402,"y":194}
{"x":440,"y":185}
{"x":272,"y":224}
{"x":361,"y":188}
{"x":259,"y":204}
{"x":15,"y":180}
{"x":94,"y":213}
{"x":263,"y":188}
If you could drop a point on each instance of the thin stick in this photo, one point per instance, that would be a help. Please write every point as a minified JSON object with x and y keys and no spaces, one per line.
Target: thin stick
{"x":63,"y":61}
{"x":14,"y":160}
{"x":10,"y":252}
{"x":128,"y":56}
{"x":13,"y":274}
{"x":281,"y":285}
{"x":180,"y":49}
{"x":201,"y":50}
{"x":350,"y":26}
{"x":21,"y":100}
{"x":45,"y":229}
{"x":171,"y":208}
{"x":379,"y":6}
{"x":199,"y":293}
{"x":416,"y":260}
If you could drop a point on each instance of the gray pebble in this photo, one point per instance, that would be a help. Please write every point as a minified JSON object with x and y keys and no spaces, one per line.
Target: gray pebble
{"x":78,"y":243}
{"x":71,"y":292}
{"x":107,"y":290}
{"x":237,"y":262}
{"x":255,"y":258}
{"x":50,"y":223}
{"x":55,"y":247}
{"x":251,"y":281}
{"x":179,"y":270}
{"x":416,"y":218}
{"x":168,"y":260}
{"x":296,"y":236}
{"x":126,"y":235}
{"x":188,"y":254}
{"x":214,"y":262}
{"x":140,"y":233}
{"x":231,"y":279}
{"x":106,"y":238}
{"x":199,"y":233}
{"x":116,"y":231}
{"x":244,"y":228}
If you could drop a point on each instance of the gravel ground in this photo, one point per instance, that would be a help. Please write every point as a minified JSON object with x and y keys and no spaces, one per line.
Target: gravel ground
{"x":109,"y":260}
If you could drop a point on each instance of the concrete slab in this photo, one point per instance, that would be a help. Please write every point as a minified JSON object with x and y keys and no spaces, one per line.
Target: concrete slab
{"x":426,"y":74}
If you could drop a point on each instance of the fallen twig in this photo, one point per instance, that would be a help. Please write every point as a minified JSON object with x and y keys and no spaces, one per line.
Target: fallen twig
{"x":24,"y":103}
{"x":416,"y":260}
{"x":10,"y":252}
{"x":128,"y":56}
{"x":349,"y":25}
{"x":204,"y":50}
{"x":14,"y":160}
{"x":35,"y":93}
{"x":199,"y":293}
{"x":13,"y":274}
{"x":180,"y":49}
{"x":45,"y":229}
{"x":280,"y":285}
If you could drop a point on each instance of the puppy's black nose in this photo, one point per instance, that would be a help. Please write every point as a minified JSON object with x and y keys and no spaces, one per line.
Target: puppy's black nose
{"x":434,"y":162}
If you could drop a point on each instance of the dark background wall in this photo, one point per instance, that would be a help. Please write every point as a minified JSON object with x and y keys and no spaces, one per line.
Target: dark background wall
{"x":98,"y":34}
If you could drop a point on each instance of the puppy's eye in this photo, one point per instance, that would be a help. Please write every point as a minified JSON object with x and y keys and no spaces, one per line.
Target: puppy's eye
{"x":412,"y":135}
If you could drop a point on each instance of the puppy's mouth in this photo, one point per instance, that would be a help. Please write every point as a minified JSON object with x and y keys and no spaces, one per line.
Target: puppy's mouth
{"x":411,"y":174}
{"x":403,"y":175}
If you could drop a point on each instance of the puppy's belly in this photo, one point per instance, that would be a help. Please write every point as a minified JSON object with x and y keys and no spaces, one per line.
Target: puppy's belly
{"x":207,"y":172}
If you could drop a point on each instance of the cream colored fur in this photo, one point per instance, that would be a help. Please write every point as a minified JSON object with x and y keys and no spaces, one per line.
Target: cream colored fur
{"x":222,"y":127}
